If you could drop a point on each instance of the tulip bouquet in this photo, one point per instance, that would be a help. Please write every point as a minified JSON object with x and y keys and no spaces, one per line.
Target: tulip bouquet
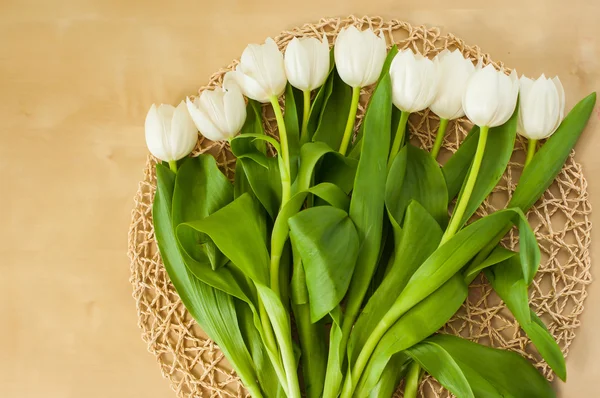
{"x":327,"y":269}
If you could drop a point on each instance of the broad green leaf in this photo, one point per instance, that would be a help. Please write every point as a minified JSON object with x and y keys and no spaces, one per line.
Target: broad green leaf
{"x":327,"y":242}
{"x":200,"y":190}
{"x":241,"y":185}
{"x":237,"y":231}
{"x":497,"y":256}
{"x":200,"y":299}
{"x":549,"y":160}
{"x":440,"y":364}
{"x":498,"y":150}
{"x":507,"y":280}
{"x":292,"y":126}
{"x":410,"y":252}
{"x":337,"y":170}
{"x":366,"y":211}
{"x":418,"y":323}
{"x":415,"y":175}
{"x":335,"y":112}
{"x":454,"y":254}
{"x":510,"y":374}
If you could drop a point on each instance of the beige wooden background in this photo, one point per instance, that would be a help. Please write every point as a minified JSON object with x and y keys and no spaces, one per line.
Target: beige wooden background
{"x":76,"y":80}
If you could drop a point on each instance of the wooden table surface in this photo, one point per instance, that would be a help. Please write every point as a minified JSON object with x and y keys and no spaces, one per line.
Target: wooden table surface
{"x":76,"y":80}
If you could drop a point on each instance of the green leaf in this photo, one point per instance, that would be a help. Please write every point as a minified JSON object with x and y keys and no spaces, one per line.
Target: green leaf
{"x":292,"y":126}
{"x":237,"y":231}
{"x":507,"y":280}
{"x":510,"y":374}
{"x":366,"y":211}
{"x":337,"y":169}
{"x":440,"y":364}
{"x":200,"y":190}
{"x":410,"y":252}
{"x":549,"y":160}
{"x":498,"y":150}
{"x":327,"y":242}
{"x":418,"y":323}
{"x":201,"y":300}
{"x":390,"y":378}
{"x":265,"y":371}
{"x":452,"y":256}
{"x":336,"y":106}
{"x":497,"y":256}
{"x":415,"y":175}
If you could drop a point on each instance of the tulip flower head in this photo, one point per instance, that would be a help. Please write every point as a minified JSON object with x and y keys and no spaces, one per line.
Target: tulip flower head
{"x":454,"y":71}
{"x":170,"y":132}
{"x":541,"y":108}
{"x":414,"y":81}
{"x":490,"y":96}
{"x":359,"y":56}
{"x":261,"y":71}
{"x":219,"y":114}
{"x":307,"y":62}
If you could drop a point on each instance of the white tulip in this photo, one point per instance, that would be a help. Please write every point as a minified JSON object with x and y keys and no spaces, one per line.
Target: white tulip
{"x":261,"y":71}
{"x":414,"y":81}
{"x":170,"y":132}
{"x":490,"y":96}
{"x":219,"y":114}
{"x":541,"y":107}
{"x":454,"y":70}
{"x":307,"y":62}
{"x":359,"y":56}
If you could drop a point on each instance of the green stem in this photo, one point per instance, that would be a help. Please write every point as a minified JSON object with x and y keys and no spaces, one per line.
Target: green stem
{"x":350,"y":122}
{"x":271,"y":345}
{"x":531,"y":146}
{"x":411,"y":387}
{"x":439,"y":138}
{"x":305,"y":114}
{"x":285,"y":153}
{"x":399,"y":138}
{"x":173,"y":165}
{"x":463,"y":200}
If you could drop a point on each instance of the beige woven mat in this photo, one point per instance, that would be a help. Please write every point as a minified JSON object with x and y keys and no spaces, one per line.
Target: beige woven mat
{"x":196,"y":368}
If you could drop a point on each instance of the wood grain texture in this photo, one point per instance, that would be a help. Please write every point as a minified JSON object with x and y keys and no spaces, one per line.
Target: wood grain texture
{"x":76,"y":80}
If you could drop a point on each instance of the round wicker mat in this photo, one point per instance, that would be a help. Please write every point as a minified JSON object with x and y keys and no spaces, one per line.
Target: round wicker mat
{"x":196,"y":368}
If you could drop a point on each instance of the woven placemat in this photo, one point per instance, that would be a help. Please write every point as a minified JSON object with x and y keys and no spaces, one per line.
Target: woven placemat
{"x":193,"y":363}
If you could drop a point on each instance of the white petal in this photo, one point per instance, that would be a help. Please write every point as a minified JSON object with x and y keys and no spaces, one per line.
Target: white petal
{"x":376,"y":59}
{"x":155,"y":135}
{"x":320,"y":63}
{"x":350,"y":53}
{"x":183,"y":135}
{"x":508,"y":93}
{"x":480,"y":100}
{"x":235,"y":111}
{"x":297,"y":64}
{"x":203,"y":122}
{"x":454,"y":72}
{"x":250,"y":87}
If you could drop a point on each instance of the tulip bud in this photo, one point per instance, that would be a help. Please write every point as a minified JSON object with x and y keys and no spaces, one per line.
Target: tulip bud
{"x":359,"y":56}
{"x":541,"y":107}
{"x":219,"y":114}
{"x":261,"y":71}
{"x":454,"y":71}
{"x":490,"y":96}
{"x":307,"y":62}
{"x":170,"y":132}
{"x":414,"y":81}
